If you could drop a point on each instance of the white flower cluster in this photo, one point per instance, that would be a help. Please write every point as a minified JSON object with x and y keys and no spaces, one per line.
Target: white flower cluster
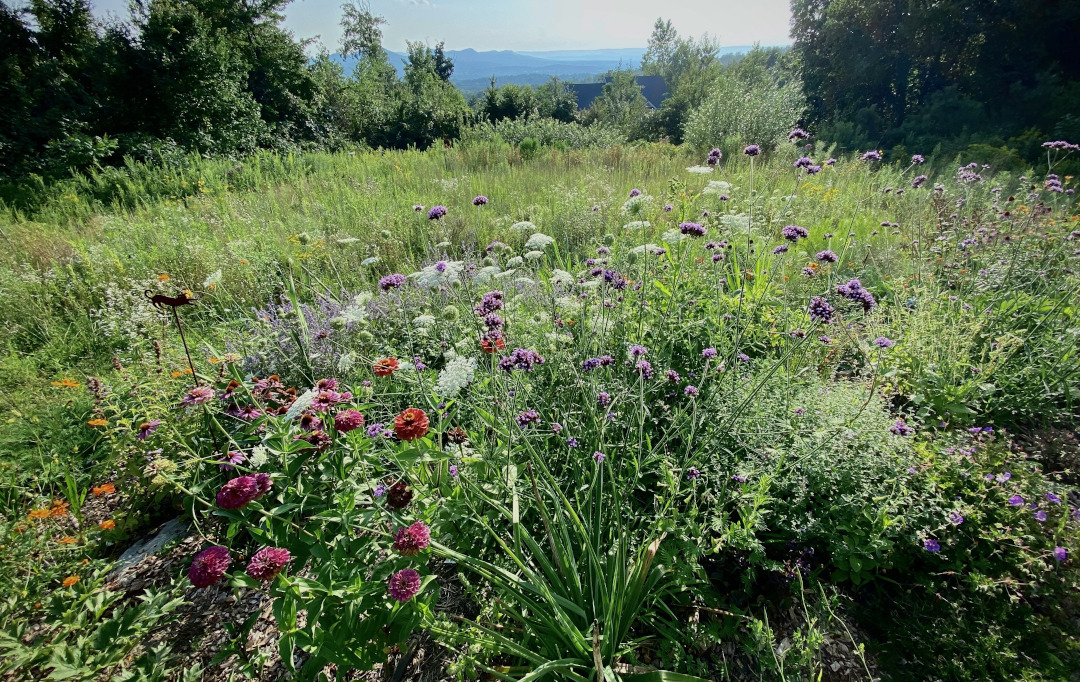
{"x":439,"y":274}
{"x":456,"y":375}
{"x":637,"y":225}
{"x":700,"y":170}
{"x":539,"y":242}
{"x":636,"y":206}
{"x":523,"y":226}
{"x":356,"y":312}
{"x":561,"y":278}
{"x":717,"y":187}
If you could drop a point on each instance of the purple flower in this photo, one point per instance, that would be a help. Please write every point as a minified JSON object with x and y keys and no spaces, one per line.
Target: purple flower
{"x":956,"y":518}
{"x":743,"y":357}
{"x":871,"y":155}
{"x":635,"y":192}
{"x":1016,"y":501}
{"x":479,"y":200}
{"x":854,"y":291}
{"x":209,"y":566}
{"x":1053,"y":498}
{"x":751,"y":150}
{"x":931,"y":545}
{"x":418,"y":207}
{"x":884,"y":342}
{"x":200,"y":395}
{"x":637,"y":352}
{"x":673,"y":376}
{"x":268,"y":562}
{"x":901,"y":428}
{"x":794,"y":233}
{"x":780,"y":249}
{"x":799,"y":411}
{"x":798,"y":134}
{"x":527,"y":418}
{"x":829,"y":162}
{"x":572,"y":442}
{"x":692,"y":229}
{"x":521,"y":359}
{"x":644,"y":368}
{"x":827,"y":256}
{"x":229,"y":461}
{"x":739,"y":479}
{"x":237,"y":493}
{"x":709,"y":353}
{"x":803,"y":162}
{"x":404,"y":585}
{"x":1040,"y":515}
{"x":603,"y":398}
{"x":436,"y":212}
{"x":147,"y":428}
{"x":690,"y":392}
{"x":917,"y":158}
{"x":1061,"y":554}
{"x":380,"y":490}
{"x":820,"y":310}
{"x":599,"y":456}
{"x":1002,"y":477}
{"x":692,"y":474}
{"x":391,"y":282}
{"x":453,"y":471}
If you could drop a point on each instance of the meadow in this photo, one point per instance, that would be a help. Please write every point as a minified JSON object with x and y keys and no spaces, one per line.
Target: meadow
{"x":521,"y":412}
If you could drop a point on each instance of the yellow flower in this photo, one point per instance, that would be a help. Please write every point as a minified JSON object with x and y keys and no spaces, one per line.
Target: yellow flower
{"x":70,"y":580}
{"x":98,"y":422}
{"x":66,"y":383}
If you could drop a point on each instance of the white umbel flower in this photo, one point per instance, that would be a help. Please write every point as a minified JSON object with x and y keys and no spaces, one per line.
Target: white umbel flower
{"x":456,"y":375}
{"x":523,"y":226}
{"x":539,"y":242}
{"x":439,"y":274}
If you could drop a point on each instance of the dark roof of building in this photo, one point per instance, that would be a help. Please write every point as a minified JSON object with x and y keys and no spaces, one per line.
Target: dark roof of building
{"x":653,"y":89}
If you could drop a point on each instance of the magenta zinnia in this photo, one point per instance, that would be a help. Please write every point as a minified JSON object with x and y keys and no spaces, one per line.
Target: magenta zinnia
{"x":199,"y":395}
{"x":409,"y":541}
{"x":404,"y":585}
{"x":209,"y":566}
{"x":348,"y":420}
{"x":268,"y":562}
{"x":238,"y":492}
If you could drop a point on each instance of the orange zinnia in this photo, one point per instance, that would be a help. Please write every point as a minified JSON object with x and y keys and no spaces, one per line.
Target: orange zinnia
{"x":488,"y":347}
{"x":411,"y":424}
{"x":163,"y":278}
{"x":70,"y":580}
{"x":384,"y":367}
{"x":38,"y":514}
{"x":68,"y":540}
{"x":66,"y":383}
{"x":104,"y":489}
{"x":98,"y":422}
{"x":107,"y":524}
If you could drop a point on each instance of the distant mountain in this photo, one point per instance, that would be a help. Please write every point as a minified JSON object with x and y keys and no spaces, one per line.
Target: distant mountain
{"x":473,"y":70}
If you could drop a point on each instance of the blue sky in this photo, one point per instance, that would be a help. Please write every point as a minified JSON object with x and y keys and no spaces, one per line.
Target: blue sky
{"x":539,"y":24}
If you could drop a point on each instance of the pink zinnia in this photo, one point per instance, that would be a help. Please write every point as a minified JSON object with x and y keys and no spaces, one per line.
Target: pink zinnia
{"x":348,"y":420}
{"x":236,"y":494}
{"x":268,"y":562}
{"x":404,"y":585}
{"x":409,"y":541}
{"x":200,"y":395}
{"x":209,"y":566}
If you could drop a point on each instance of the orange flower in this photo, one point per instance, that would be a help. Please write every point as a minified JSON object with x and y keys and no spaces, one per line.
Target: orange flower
{"x":163,"y":278}
{"x":187,"y":370}
{"x":107,"y":524}
{"x":244,"y":262}
{"x":384,"y":367}
{"x":67,"y":540}
{"x":213,"y":361}
{"x":59,"y":509}
{"x":175,"y":375}
{"x":98,"y":422}
{"x":38,"y":514}
{"x":70,"y":580}
{"x":411,"y":424}
{"x":66,"y":383}
{"x":104,"y":489}
{"x":489,"y":347}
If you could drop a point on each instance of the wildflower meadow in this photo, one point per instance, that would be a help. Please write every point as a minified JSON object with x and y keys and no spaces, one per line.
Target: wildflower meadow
{"x":626,"y":412}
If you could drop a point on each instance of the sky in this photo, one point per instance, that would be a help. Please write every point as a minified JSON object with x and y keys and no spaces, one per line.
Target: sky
{"x":532,"y":25}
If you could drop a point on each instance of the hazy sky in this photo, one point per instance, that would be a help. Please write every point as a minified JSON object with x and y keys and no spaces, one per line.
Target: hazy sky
{"x":540,"y":24}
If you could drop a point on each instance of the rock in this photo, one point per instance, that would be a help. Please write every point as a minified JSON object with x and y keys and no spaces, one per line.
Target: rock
{"x":146,"y":547}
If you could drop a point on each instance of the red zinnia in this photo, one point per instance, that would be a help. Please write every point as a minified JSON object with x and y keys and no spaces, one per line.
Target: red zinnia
{"x":488,"y":347}
{"x":411,"y":424}
{"x":384,"y":367}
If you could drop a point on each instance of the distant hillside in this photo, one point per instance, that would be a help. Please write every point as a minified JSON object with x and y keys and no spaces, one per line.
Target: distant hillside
{"x":473,"y":70}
